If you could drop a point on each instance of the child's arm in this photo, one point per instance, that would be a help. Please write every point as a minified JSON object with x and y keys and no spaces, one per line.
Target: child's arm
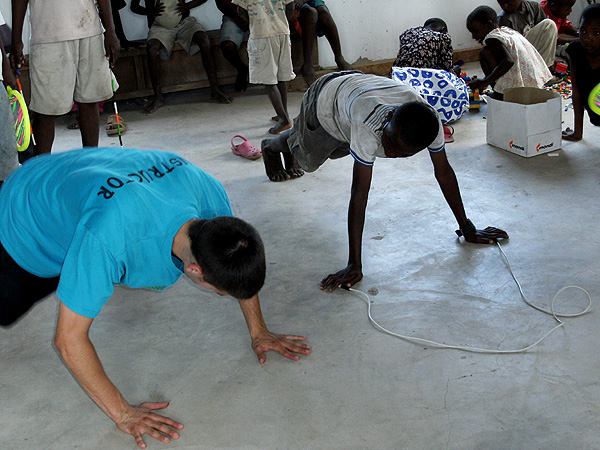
{"x":361,"y":183}
{"x":7,"y":73}
{"x":578,"y":109}
{"x":243,"y":14}
{"x":289,"y":10}
{"x":446,"y":178}
{"x":504,"y":60}
{"x":111,"y":41}
{"x":184,"y":7}
{"x":137,"y":8}
{"x":19,"y":8}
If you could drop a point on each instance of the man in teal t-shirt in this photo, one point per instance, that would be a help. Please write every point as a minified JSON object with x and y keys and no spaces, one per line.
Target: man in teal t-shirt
{"x":82,"y":221}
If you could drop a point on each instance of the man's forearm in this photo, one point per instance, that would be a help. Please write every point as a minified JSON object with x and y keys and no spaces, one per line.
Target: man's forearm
{"x":253,"y":316}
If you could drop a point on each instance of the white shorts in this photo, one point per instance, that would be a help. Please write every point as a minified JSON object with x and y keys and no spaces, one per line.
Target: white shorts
{"x":270,"y":59}
{"x":70,"y":70}
{"x":183,"y":33}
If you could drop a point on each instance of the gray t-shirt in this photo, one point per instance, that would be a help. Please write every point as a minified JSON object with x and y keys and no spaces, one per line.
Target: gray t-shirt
{"x":523,"y":22}
{"x":354,"y":109}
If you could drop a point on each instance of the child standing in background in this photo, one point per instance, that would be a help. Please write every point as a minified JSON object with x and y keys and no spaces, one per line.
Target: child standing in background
{"x":584,"y":59}
{"x":270,"y":51}
{"x":507,"y":59}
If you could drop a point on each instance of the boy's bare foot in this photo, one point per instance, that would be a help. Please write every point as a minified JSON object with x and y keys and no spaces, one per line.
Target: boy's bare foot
{"x":282,"y":125}
{"x":218,"y":95}
{"x":273,"y":165}
{"x":157,"y":102}
{"x":241,"y":81}
{"x":308,"y":73}
{"x":292,"y":167}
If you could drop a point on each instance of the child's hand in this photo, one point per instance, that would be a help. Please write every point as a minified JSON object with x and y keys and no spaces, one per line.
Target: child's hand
{"x":182,"y":8}
{"x":159,"y":8}
{"x":17,"y":59}
{"x":571,"y":135}
{"x":476,"y":83}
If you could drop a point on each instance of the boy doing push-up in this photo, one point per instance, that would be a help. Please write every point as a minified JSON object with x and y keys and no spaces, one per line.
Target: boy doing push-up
{"x":366,"y":116}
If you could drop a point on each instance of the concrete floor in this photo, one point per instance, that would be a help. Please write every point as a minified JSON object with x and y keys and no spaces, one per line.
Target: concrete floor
{"x":360,"y":389}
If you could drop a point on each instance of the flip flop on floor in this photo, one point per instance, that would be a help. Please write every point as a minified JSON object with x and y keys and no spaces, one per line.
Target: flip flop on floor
{"x":245,"y":149}
{"x":112,"y":126}
{"x":448,"y":134}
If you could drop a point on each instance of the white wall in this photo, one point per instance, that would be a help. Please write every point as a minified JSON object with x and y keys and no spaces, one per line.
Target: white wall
{"x":368,"y":28}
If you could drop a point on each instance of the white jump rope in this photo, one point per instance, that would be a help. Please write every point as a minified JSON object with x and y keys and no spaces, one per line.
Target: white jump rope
{"x":550,"y":312}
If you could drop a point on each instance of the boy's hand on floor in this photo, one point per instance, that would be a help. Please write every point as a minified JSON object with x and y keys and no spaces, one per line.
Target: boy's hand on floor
{"x":348,"y":277}
{"x":140,"y":420}
{"x":487,"y":236}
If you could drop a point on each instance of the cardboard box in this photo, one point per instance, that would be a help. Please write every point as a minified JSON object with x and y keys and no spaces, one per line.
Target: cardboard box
{"x":527,"y":122}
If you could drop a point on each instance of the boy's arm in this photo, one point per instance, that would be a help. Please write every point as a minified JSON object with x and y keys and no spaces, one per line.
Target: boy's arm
{"x":137,"y":8}
{"x":504,"y":65}
{"x":243,"y":14}
{"x":578,"y":109}
{"x":7,"y":73}
{"x":184,"y":7}
{"x":289,"y":10}
{"x":231,"y":11}
{"x":263,"y":340}
{"x":73,"y":342}
{"x":361,"y":183}
{"x":111,"y":41}
{"x":446,"y":178}
{"x":19,"y":8}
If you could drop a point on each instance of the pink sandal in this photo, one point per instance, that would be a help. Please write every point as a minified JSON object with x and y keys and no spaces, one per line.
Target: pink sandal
{"x":245,"y":149}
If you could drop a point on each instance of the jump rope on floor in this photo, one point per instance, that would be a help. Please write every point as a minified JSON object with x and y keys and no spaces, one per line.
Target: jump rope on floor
{"x":550,"y":312}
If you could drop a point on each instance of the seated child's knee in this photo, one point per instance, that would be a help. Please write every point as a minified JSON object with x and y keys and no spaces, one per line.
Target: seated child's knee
{"x":309,"y":15}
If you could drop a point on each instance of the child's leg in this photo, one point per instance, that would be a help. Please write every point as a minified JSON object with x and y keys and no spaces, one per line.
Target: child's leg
{"x":543,"y":37}
{"x":43,"y":130}
{"x":331,"y":33}
{"x":202,"y":40}
{"x":308,"y":21}
{"x":89,"y":124}
{"x":278,"y":95}
{"x":273,"y":150}
{"x":231,"y":37}
{"x":153,"y":50}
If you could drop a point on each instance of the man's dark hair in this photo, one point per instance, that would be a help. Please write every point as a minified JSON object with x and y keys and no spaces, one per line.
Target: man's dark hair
{"x":436,"y":24}
{"x":592,"y":12}
{"x":416,"y":124}
{"x":231,"y":255}
{"x":482,"y":14}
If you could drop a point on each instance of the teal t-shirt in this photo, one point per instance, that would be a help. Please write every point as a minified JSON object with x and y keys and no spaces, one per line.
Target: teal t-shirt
{"x":99,"y":217}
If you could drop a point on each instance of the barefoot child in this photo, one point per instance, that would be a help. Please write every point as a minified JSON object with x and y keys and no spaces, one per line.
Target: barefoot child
{"x":507,"y":59}
{"x":429,"y":46}
{"x":366,"y":116}
{"x":269,"y":51}
{"x":315,"y":20}
{"x":584,"y":59}
{"x":170,"y":21}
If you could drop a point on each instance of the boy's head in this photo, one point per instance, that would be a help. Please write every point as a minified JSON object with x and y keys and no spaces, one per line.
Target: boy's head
{"x":510,"y":6}
{"x":561,"y":8}
{"x":230,"y":255}
{"x":435,"y":24}
{"x":481,"y":21}
{"x":410,"y":128}
{"x":589,"y":29}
